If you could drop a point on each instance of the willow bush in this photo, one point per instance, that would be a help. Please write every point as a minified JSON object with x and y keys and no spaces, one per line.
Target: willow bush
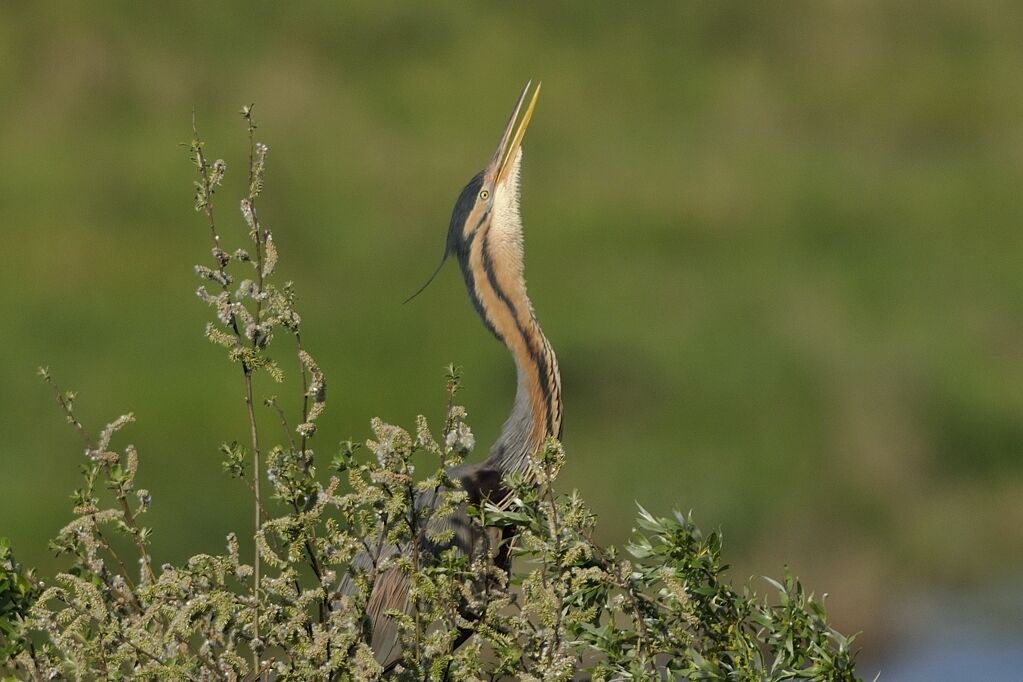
{"x":661,"y":608}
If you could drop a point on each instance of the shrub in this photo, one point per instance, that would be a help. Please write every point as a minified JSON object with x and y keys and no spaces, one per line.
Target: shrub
{"x":662,"y":608}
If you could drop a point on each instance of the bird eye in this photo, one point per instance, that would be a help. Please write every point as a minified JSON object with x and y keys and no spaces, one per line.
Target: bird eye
{"x":484,"y":194}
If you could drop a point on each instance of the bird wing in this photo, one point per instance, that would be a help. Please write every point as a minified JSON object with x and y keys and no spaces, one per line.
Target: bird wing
{"x":391,"y":588}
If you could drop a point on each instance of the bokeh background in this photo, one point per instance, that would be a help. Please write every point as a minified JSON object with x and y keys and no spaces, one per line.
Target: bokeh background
{"x":776,"y":246}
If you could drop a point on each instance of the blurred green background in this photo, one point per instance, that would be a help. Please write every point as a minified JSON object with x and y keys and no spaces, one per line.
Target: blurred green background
{"x":777,"y":248}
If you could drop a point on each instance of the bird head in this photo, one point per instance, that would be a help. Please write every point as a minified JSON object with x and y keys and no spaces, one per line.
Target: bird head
{"x":492,"y":195}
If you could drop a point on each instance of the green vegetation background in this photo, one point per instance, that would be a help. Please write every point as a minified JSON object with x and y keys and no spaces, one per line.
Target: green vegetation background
{"x":777,"y":248}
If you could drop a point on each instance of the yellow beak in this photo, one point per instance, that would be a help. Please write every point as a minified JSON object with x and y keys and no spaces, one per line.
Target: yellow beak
{"x":511,"y":140}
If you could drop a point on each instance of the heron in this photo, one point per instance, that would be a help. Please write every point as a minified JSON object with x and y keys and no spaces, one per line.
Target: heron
{"x":485,"y":235}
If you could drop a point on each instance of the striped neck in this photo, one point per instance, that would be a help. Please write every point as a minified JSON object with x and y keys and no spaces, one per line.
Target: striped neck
{"x":492,"y":265}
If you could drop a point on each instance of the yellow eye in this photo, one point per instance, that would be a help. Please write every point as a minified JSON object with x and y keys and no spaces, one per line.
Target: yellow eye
{"x":484,"y":194}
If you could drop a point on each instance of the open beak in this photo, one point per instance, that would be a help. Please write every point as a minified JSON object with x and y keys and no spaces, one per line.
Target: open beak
{"x":511,"y":140}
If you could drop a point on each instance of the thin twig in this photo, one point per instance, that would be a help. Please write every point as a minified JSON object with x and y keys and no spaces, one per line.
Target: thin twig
{"x":254,"y":431}
{"x":202,"y":167}
{"x":305,"y":389}
{"x":272,"y":402}
{"x":67,"y":407}
{"x":555,"y":523}
{"x":258,"y":511}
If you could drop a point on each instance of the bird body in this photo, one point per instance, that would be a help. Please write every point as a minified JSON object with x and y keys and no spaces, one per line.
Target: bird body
{"x":485,"y":234}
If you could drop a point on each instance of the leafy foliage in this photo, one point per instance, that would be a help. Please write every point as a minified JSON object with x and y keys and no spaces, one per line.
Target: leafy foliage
{"x":17,"y":593}
{"x":298,"y":609}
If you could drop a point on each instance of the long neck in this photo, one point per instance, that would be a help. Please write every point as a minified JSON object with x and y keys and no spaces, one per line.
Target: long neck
{"x":493,"y":271}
